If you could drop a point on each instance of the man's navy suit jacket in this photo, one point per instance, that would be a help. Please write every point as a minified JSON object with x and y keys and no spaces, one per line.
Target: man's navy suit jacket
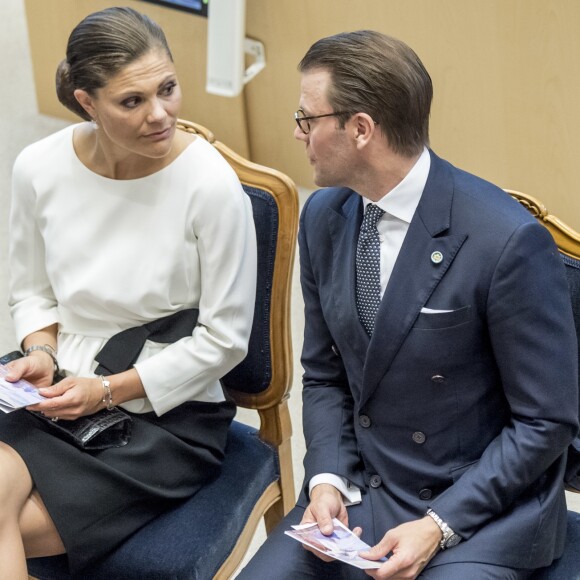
{"x":467,"y":411}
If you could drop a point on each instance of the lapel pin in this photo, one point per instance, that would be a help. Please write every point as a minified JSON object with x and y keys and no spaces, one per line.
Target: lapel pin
{"x":436,"y":257}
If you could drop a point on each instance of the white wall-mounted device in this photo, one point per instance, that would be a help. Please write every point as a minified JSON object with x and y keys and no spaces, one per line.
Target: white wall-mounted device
{"x":227,"y":46}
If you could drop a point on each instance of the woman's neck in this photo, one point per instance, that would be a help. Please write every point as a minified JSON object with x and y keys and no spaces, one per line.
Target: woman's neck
{"x":98,"y":154}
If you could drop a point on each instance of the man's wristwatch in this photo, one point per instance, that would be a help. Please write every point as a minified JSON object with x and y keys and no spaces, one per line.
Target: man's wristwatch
{"x":450,"y":538}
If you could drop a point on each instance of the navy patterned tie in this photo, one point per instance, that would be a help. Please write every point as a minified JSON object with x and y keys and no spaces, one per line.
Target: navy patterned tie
{"x":368,"y":268}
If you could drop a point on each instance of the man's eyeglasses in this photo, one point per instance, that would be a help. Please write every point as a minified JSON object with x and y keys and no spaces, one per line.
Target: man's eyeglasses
{"x":303,"y":120}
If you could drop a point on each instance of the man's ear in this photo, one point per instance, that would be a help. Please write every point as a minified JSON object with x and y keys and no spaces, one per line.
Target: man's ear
{"x":364,"y":129}
{"x":85,"y":101}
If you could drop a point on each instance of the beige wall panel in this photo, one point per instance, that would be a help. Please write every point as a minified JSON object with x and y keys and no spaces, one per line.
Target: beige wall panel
{"x":51,"y":21}
{"x":506,"y":76}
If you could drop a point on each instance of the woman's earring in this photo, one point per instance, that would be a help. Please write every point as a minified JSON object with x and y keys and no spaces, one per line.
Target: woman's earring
{"x":95,"y":123}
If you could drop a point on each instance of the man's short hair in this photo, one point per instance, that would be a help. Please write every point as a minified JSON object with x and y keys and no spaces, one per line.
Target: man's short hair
{"x":379,"y":75}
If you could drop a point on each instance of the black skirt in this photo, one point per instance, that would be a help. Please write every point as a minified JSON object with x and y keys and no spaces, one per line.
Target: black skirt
{"x":99,"y":498}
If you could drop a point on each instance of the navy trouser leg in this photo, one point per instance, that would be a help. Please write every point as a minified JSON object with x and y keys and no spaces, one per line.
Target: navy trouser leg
{"x":474,"y":571}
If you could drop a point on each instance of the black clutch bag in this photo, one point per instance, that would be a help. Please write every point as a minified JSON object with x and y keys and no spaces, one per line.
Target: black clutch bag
{"x":102,"y":430}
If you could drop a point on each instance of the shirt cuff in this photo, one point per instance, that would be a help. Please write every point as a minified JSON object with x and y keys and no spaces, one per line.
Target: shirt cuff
{"x":350,"y":492}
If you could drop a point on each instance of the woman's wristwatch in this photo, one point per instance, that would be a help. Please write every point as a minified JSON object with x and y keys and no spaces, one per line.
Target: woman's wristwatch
{"x":450,"y":538}
{"x":47,"y":349}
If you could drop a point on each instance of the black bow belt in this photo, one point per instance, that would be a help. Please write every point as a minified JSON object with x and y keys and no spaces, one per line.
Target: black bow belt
{"x":121,"y":351}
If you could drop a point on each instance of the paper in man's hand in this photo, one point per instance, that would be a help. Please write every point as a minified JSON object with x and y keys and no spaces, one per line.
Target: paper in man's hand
{"x":342,"y":544}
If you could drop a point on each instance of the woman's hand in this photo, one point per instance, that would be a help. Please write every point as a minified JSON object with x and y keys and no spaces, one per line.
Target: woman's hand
{"x":71,"y":398}
{"x":36,"y":368}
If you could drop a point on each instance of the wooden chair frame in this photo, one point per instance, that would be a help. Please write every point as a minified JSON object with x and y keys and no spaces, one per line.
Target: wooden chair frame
{"x":272,"y":404}
{"x":567,"y":240}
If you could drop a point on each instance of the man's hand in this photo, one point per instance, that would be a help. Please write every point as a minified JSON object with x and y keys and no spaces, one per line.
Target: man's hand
{"x":326,"y":502}
{"x":413,"y":544}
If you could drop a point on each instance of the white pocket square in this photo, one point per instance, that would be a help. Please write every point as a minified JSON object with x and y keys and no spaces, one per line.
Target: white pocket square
{"x":433,"y":311}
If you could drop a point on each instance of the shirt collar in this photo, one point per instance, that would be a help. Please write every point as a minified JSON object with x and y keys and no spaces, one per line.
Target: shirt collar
{"x":402,"y":201}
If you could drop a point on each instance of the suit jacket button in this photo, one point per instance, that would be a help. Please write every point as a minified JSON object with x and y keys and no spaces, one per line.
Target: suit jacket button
{"x":335,"y":350}
{"x":419,"y":437}
{"x":425,"y":494}
{"x":364,"y":421}
{"x":438,"y":378}
{"x":375,"y":481}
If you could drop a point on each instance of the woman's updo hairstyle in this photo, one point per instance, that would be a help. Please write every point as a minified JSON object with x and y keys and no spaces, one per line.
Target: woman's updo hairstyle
{"x":99,"y":47}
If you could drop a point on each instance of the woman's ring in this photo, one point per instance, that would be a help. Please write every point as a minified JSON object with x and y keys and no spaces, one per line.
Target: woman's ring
{"x":55,"y":419}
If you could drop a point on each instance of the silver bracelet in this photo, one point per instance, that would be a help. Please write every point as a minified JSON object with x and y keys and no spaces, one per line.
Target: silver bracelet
{"x":48,"y":350}
{"x":107,"y":395}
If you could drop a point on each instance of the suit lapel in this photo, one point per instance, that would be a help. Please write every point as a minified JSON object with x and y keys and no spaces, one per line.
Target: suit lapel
{"x":416,"y":274}
{"x":344,"y":228}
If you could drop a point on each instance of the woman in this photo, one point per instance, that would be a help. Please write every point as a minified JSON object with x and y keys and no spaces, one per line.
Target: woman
{"x":116,"y":222}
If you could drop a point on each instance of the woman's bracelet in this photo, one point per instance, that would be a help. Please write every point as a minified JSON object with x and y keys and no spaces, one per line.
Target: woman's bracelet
{"x":48,"y":350}
{"x":107,"y":395}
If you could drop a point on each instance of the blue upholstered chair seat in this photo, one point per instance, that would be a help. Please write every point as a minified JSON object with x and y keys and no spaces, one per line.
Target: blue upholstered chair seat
{"x":196,"y":551}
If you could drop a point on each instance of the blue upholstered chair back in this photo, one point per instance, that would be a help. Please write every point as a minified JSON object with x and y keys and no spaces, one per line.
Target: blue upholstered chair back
{"x":254,"y":373}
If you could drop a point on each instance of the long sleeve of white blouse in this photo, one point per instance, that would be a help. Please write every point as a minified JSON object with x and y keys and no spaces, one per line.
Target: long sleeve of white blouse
{"x":227,"y":260}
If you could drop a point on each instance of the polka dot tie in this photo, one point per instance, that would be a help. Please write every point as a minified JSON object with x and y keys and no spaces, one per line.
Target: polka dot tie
{"x":368,"y":268}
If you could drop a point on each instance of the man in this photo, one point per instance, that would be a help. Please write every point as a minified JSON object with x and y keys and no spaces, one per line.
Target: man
{"x":439,"y":352}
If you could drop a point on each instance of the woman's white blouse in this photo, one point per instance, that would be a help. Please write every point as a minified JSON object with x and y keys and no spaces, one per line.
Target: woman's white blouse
{"x":99,"y":255}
